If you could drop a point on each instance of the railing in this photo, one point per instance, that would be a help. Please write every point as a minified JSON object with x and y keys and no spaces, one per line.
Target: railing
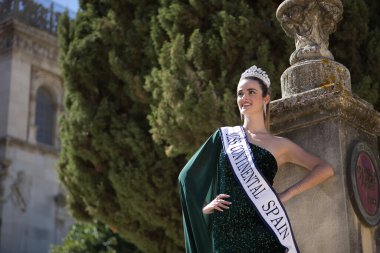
{"x":42,"y":14}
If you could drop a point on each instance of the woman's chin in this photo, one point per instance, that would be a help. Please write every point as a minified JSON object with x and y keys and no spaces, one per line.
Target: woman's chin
{"x":244,"y":110}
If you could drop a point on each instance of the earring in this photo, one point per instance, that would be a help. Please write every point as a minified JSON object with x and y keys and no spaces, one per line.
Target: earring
{"x":241,"y":117}
{"x":265,"y":110}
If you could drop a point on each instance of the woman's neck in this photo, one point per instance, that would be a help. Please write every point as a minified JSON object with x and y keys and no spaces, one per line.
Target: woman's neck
{"x":254,"y":125}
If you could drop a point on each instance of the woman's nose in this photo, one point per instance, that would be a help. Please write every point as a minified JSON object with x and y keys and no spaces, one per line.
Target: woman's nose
{"x":244,"y":97}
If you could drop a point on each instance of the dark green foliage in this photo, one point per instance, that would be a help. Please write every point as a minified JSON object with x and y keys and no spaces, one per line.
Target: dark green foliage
{"x":109,"y":163}
{"x":93,"y":238}
{"x":205,"y":48}
{"x":148,"y":80}
{"x":356,"y":44}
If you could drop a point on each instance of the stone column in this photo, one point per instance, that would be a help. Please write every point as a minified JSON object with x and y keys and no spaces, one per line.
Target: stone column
{"x":319,"y":112}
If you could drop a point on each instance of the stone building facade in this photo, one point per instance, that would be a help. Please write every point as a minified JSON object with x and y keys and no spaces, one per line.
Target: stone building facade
{"x":32,"y":205}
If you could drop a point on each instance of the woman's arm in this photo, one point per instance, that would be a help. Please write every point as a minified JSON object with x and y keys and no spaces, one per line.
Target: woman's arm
{"x":319,"y":169}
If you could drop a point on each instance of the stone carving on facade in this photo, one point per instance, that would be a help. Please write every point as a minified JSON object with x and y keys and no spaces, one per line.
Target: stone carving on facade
{"x":310,"y":22}
{"x":18,"y":191}
{"x":12,"y":39}
{"x":35,"y":48}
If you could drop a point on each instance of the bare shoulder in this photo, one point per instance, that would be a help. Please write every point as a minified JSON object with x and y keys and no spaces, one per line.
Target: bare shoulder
{"x":284,"y":142}
{"x":282,"y":148}
{"x":285,"y":149}
{"x":290,"y":152}
{"x":281,"y":143}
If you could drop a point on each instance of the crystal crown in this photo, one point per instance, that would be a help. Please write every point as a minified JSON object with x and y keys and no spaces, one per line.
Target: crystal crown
{"x":256,"y":72}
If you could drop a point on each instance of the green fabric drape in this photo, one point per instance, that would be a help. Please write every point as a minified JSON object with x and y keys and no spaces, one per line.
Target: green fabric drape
{"x":197,"y":185}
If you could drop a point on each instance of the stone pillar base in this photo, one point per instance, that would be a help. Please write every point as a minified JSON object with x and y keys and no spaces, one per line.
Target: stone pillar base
{"x":312,"y":74}
{"x":326,"y":122}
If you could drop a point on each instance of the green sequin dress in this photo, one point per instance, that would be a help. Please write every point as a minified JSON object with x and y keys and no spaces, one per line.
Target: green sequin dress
{"x":239,"y":228}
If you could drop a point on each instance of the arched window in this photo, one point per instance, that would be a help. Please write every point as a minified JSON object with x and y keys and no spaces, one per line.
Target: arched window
{"x":45,"y":117}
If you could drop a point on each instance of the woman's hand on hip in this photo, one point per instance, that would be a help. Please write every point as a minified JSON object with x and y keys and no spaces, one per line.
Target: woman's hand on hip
{"x":219,"y":203}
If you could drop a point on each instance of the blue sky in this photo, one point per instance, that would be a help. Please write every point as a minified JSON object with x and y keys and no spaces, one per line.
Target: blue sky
{"x":70,"y":4}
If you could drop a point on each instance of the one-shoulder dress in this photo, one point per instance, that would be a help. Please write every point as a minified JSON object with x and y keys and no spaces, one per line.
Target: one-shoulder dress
{"x":236,"y":230}
{"x":239,"y":228}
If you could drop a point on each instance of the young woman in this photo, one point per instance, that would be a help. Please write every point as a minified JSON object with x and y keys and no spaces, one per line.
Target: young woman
{"x":227,"y":200}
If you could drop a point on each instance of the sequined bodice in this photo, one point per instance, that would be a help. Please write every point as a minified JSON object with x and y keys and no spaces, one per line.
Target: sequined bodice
{"x":240,"y":229}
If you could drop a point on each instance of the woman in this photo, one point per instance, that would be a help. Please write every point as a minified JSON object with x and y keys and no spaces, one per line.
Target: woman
{"x":220,"y":214}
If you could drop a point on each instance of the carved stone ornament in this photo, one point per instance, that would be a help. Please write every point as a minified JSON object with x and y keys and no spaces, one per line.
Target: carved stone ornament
{"x":35,"y":48}
{"x":310,"y":22}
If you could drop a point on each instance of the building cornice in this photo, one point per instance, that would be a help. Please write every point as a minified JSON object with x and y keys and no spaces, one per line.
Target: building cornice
{"x":15,"y":35}
{"x":41,"y":149}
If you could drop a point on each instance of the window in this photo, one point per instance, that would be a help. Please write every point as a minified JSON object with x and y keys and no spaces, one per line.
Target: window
{"x":45,"y":115}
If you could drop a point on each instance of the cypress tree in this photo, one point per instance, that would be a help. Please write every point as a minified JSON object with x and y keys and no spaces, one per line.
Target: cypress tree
{"x":204,"y":48}
{"x":108,"y":161}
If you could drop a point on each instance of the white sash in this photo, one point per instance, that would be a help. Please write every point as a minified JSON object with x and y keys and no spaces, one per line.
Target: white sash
{"x":262,"y":195}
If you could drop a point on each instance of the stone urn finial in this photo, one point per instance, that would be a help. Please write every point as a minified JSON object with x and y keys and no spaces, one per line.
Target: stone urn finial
{"x":310,"y":22}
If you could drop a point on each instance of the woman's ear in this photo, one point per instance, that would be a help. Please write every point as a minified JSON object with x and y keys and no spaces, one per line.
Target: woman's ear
{"x":267,"y":98}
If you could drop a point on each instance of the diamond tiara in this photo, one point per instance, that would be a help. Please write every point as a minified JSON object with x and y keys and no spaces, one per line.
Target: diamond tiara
{"x":256,"y":72}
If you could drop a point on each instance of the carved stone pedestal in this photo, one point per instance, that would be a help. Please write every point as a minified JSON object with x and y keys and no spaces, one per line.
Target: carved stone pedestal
{"x":318,"y":112}
{"x":308,"y":75}
{"x":327,"y":122}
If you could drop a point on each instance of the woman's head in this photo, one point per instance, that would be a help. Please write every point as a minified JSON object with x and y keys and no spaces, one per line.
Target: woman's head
{"x":253,"y":95}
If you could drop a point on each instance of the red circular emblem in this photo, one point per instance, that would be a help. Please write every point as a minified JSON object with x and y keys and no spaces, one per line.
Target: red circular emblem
{"x":367,"y":183}
{"x":364,"y":183}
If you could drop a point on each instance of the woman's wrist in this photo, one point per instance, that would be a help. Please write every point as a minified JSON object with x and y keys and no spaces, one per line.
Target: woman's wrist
{"x":295,"y":190}
{"x":206,"y":211}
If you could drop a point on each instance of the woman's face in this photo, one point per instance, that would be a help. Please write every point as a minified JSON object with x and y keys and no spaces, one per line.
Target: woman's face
{"x":250,"y":98}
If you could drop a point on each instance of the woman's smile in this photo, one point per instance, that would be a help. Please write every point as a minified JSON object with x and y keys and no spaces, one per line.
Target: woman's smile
{"x":246,"y":105}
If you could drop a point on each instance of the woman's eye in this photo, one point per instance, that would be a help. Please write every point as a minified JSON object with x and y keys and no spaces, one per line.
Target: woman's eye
{"x":252,"y":92}
{"x":240,"y":94}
